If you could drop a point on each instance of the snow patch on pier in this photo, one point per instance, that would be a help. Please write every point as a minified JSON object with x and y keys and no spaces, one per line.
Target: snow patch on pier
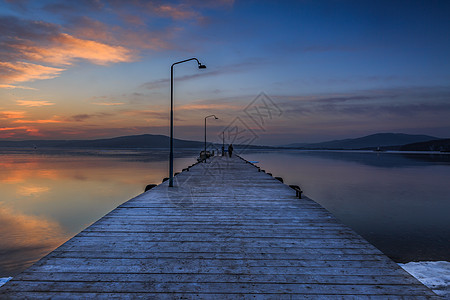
{"x":4,"y":280}
{"x":434,"y":274}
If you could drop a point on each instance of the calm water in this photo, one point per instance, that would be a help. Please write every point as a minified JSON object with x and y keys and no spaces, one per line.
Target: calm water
{"x":399,"y":203}
{"x":48,"y":197}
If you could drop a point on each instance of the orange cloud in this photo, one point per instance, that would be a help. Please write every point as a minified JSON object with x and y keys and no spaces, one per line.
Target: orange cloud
{"x":9,"y":86}
{"x":12,"y":114}
{"x":7,"y":132}
{"x":50,"y":121}
{"x":210,"y":106}
{"x":139,"y":37}
{"x":33,"y":103}
{"x":108,"y":103}
{"x":66,"y":48}
{"x":11,"y":72}
{"x":178,"y":12}
{"x":34,"y":50}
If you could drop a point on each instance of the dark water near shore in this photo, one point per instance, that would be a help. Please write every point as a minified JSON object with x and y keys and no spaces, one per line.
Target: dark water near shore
{"x":400,"y":203}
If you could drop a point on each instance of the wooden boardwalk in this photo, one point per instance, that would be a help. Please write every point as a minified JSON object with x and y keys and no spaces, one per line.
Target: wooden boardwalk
{"x":225,"y":231}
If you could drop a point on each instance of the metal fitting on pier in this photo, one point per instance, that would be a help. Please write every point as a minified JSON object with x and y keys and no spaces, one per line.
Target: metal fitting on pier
{"x":149,"y":187}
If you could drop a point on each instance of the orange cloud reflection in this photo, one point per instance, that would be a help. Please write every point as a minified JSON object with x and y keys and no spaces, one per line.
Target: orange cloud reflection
{"x":26,"y":238}
{"x":33,"y":190}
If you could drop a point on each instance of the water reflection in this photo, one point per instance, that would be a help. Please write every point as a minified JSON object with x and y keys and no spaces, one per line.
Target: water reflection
{"x":25,"y":239}
{"x":400,"y":203}
{"x":49,"y":196}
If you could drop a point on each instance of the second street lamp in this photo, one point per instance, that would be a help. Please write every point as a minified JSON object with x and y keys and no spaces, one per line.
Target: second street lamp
{"x":223,"y":143}
{"x":200,"y":66}
{"x":205,"y":131}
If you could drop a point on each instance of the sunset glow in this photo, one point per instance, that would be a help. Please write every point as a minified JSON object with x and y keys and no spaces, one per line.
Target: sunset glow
{"x":336,"y":69}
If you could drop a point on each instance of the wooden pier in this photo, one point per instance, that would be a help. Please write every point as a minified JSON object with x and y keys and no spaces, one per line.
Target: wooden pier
{"x":224,"y":231}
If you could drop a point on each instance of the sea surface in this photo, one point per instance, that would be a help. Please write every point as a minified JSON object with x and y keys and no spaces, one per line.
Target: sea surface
{"x":399,"y":202}
{"x":48,"y":196}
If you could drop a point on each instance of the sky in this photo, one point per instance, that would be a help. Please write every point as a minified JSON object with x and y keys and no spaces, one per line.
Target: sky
{"x":285,"y":71}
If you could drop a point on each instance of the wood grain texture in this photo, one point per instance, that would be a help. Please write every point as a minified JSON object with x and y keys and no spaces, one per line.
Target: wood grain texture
{"x":224,"y":231}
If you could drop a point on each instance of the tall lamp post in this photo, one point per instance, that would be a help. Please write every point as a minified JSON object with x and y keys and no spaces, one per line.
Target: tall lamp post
{"x":200,"y":66}
{"x":205,"y":129}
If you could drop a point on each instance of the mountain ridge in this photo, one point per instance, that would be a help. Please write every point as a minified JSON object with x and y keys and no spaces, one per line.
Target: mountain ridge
{"x":131,"y":141}
{"x":384,"y":141}
{"x":372,"y":141}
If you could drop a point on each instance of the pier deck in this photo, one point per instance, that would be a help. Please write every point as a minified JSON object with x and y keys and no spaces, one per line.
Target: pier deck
{"x":224,"y":231}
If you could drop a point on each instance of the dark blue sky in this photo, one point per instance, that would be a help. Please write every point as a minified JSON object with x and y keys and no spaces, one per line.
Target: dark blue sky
{"x":335,"y":69}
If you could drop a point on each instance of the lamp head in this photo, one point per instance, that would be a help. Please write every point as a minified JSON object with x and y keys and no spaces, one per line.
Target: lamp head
{"x":216,"y":118}
{"x":200,"y":66}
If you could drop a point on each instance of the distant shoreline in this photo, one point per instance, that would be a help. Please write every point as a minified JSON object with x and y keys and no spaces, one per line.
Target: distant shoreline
{"x":246,"y":149}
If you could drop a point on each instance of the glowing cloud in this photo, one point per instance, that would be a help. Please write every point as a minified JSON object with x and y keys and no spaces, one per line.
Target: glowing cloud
{"x":11,"y":72}
{"x":33,"y":103}
{"x":9,"y":86}
{"x":176,"y":12}
{"x":108,"y":103}
{"x":7,"y":132}
{"x":12,"y":114}
{"x":35,"y":50}
{"x":211,"y":106}
{"x":38,"y":121}
{"x":66,"y":48}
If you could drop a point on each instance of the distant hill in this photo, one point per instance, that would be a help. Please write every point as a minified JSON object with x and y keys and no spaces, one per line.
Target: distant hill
{"x":368,"y":142}
{"x":435,"y":145}
{"x":133,"y":141}
{"x":386,"y":141}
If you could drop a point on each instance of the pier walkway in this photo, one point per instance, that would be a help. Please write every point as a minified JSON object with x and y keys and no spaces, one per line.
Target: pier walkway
{"x":225,"y":231}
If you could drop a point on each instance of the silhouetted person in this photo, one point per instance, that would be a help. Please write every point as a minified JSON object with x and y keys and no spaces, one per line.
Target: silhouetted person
{"x":230,"y":150}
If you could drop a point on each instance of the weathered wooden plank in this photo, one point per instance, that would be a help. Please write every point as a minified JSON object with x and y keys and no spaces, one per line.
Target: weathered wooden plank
{"x":218,"y":278}
{"x":177,"y":227}
{"x":262,"y":233}
{"x":200,"y":263}
{"x":218,"y":255}
{"x":216,"y":288}
{"x":293,"y":251}
{"x":181,"y":247}
{"x":193,"y":296}
{"x":218,"y":235}
{"x":224,"y":231}
{"x":219,"y":267}
{"x":194,"y":243}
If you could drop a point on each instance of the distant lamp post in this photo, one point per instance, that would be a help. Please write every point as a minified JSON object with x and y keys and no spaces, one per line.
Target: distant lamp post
{"x":223,"y":143}
{"x":200,"y":66}
{"x":205,"y":129}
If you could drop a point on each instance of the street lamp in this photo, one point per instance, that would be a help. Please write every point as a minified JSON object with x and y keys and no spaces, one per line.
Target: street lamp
{"x":223,"y":143}
{"x":205,"y":130}
{"x":200,"y":66}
